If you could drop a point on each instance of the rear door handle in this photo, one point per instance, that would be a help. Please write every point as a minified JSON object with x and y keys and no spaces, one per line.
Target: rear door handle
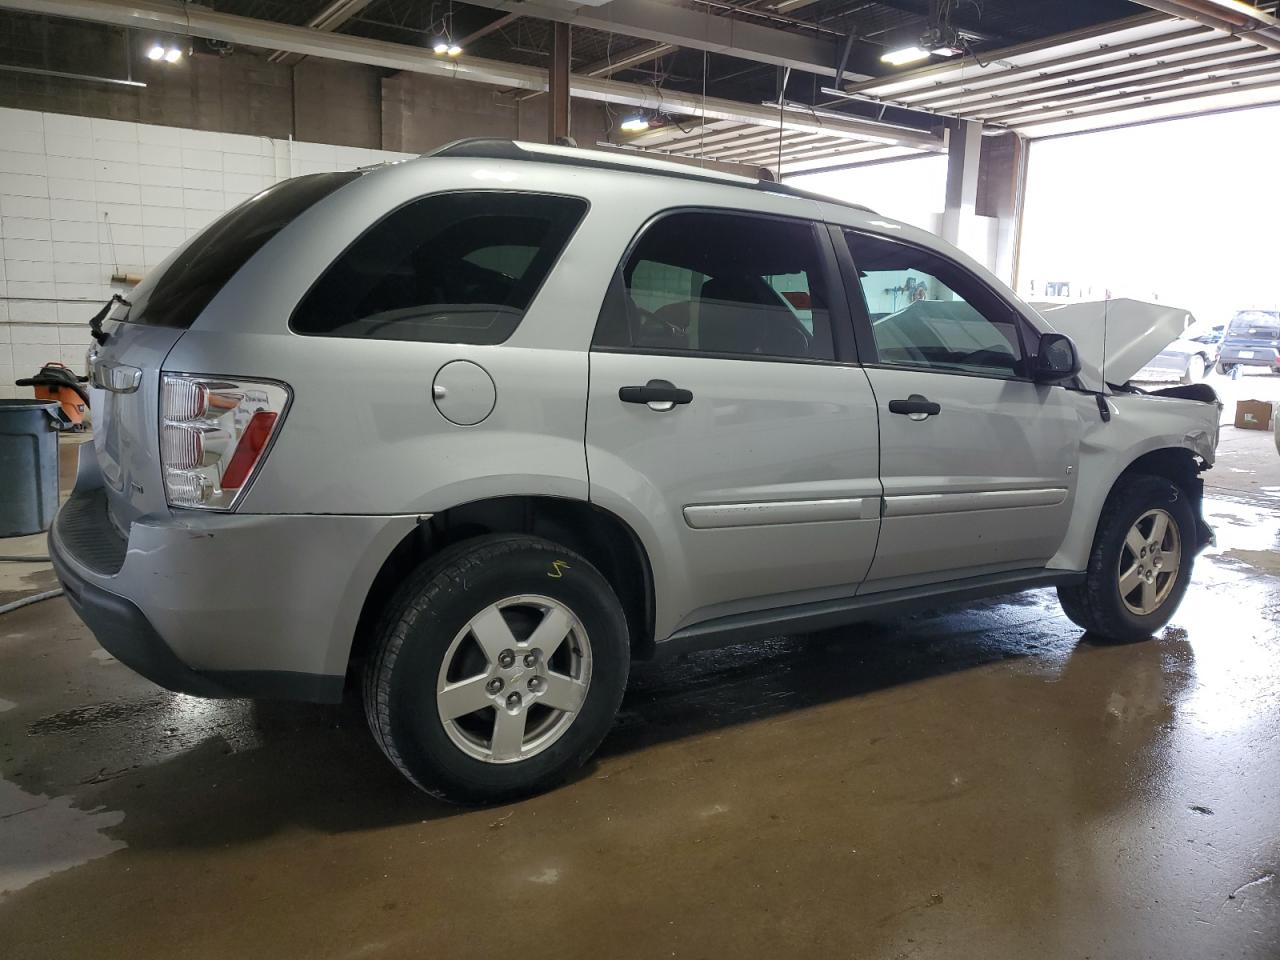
{"x":916,"y":407}
{"x":660,"y":395}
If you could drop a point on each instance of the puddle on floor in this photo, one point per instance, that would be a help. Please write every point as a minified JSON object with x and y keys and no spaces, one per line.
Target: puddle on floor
{"x":42,"y":835}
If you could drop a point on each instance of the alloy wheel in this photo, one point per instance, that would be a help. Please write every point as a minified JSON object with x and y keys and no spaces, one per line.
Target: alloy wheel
{"x":1149,"y":561}
{"x":514,"y":678}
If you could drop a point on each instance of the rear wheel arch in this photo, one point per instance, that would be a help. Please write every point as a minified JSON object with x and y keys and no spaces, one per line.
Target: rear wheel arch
{"x":604,"y":539}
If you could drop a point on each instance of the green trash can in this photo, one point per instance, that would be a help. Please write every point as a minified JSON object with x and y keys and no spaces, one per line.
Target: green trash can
{"x":28,"y":466}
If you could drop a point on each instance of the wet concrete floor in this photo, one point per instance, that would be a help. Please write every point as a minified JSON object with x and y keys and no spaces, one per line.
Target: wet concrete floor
{"x":980,"y":782}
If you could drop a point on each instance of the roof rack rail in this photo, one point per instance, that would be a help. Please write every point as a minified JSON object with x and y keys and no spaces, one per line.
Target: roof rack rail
{"x":494,"y":148}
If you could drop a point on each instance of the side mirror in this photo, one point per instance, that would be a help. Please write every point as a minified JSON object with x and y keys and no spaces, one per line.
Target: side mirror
{"x":1056,"y":359}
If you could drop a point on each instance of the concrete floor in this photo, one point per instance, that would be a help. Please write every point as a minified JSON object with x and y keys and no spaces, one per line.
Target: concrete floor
{"x":973,"y":783}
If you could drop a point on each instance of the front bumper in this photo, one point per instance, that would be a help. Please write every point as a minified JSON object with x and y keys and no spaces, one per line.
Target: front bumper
{"x":223,"y":605}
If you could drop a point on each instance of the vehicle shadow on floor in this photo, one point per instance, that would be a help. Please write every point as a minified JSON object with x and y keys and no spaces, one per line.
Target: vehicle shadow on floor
{"x":315,"y":767}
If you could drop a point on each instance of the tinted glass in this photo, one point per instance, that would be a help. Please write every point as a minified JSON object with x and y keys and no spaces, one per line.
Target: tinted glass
{"x":175,"y":296}
{"x":722,"y":284}
{"x":450,"y":268}
{"x":1256,"y":324}
{"x":927,"y":311}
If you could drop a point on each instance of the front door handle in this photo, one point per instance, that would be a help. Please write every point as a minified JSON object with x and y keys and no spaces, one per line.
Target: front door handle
{"x":916,"y":407}
{"x":660,"y":395}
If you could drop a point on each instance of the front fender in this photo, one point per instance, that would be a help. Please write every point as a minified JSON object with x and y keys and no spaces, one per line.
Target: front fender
{"x":1140,"y":424}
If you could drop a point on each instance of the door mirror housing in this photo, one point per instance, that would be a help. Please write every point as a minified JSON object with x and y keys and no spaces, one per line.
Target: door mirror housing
{"x":1057,"y":359}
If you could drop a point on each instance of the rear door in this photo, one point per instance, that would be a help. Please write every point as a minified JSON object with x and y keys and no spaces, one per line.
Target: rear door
{"x":978,"y":462}
{"x":725,"y":416}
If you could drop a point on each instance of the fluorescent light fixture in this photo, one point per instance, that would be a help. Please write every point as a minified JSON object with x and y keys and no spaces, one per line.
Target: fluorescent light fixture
{"x":440,"y":46}
{"x":634,"y":124}
{"x":905,"y":55}
{"x":172,"y":55}
{"x":453,"y":50}
{"x":156,"y":52}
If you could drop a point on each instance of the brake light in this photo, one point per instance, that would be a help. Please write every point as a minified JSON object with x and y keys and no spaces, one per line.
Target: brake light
{"x":214,"y":433}
{"x":252,"y":442}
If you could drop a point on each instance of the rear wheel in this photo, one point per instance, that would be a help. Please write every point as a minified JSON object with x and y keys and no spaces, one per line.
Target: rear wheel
{"x":1225,"y":367}
{"x":499,"y":669}
{"x":1140,"y":564}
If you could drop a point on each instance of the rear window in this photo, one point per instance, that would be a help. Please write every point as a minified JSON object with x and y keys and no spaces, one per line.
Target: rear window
{"x":449,"y":268}
{"x":175,"y":296}
{"x":1261,"y":324}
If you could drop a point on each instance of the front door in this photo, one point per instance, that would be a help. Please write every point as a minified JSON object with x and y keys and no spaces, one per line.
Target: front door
{"x":724,"y":421}
{"x":978,"y":462}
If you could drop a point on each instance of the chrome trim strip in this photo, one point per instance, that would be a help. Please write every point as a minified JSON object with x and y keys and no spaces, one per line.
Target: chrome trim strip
{"x":715,"y":515}
{"x":927,"y":504}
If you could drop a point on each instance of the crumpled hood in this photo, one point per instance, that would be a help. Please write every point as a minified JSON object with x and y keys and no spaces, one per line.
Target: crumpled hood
{"x":1115,"y":338}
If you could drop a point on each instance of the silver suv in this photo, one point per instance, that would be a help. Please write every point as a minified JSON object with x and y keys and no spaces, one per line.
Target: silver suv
{"x":484,"y":426}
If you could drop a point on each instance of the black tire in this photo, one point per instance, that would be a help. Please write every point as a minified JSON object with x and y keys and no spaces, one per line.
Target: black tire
{"x":1225,"y":368}
{"x":431,"y":608}
{"x":1096,"y":604}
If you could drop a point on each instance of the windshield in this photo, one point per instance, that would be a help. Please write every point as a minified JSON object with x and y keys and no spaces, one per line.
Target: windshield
{"x":174,"y":296}
{"x":1258,"y":324}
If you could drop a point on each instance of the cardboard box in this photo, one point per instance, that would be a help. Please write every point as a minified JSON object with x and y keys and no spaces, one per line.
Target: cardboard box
{"x":1253,"y":414}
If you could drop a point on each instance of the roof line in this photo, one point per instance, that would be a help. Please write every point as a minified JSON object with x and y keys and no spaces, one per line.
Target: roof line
{"x":493,"y":148}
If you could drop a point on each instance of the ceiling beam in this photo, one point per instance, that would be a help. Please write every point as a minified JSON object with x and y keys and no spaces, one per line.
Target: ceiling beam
{"x":627,"y":59}
{"x":493,"y":26}
{"x":960,"y":21}
{"x":1086,"y":89}
{"x":1156,"y":93}
{"x":665,"y":22}
{"x":1028,"y":84}
{"x":173,"y":17}
{"x":333,"y":16}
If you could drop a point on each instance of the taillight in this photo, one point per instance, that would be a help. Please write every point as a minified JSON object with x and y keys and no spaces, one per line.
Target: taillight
{"x":213,"y":434}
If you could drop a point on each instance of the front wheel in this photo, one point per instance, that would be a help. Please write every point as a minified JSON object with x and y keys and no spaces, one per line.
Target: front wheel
{"x":499,"y":669}
{"x":1140,"y":564}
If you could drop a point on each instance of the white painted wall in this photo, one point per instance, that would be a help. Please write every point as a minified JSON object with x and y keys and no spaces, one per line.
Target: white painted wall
{"x":81,"y":199}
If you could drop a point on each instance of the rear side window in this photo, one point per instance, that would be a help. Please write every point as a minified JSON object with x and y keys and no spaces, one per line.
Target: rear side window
{"x":725,"y":284}
{"x":449,"y":268}
{"x":175,"y":296}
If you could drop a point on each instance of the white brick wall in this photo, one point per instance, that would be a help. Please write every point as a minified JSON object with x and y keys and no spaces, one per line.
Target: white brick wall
{"x":83,"y":198}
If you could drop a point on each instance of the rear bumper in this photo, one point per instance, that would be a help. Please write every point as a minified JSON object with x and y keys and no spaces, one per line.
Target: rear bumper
{"x":125,"y":632}
{"x":1267,"y":356}
{"x":223,"y":605}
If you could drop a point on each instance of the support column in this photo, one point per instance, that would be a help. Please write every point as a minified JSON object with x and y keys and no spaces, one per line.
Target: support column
{"x":558,"y":84}
{"x":964,"y":151}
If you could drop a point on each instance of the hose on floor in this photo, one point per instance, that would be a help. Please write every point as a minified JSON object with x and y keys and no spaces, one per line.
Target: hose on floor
{"x":24,"y":560}
{"x":27,"y":601}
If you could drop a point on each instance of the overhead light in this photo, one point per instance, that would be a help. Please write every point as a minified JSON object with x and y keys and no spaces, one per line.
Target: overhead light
{"x":634,"y":124}
{"x":453,"y":50}
{"x":440,"y":46}
{"x":156,"y":52}
{"x":172,"y":55}
{"x":905,"y":55}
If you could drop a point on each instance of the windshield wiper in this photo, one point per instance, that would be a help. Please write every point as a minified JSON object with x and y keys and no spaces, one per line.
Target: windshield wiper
{"x":95,"y":324}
